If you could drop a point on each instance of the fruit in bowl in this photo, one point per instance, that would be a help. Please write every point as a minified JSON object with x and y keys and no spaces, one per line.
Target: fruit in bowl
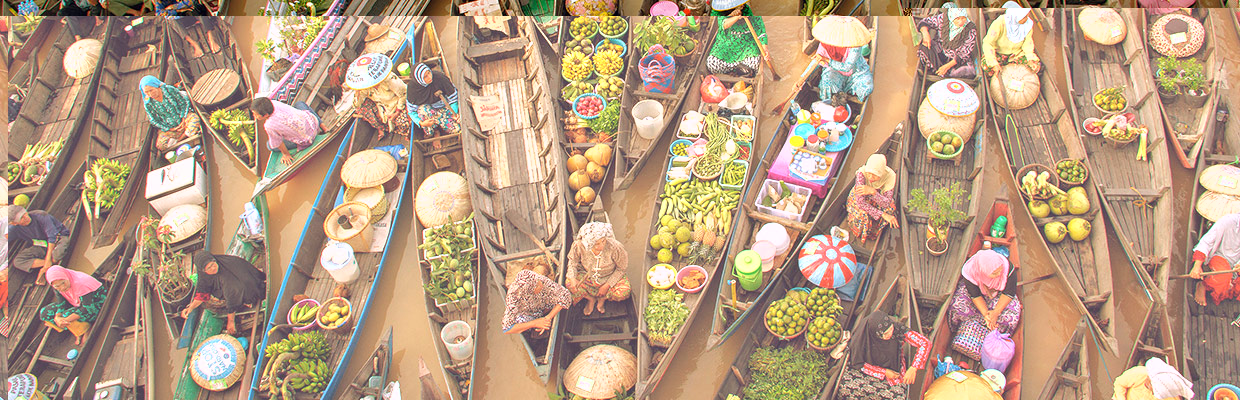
{"x":583,"y":27}
{"x":661,"y":276}
{"x":589,"y":106}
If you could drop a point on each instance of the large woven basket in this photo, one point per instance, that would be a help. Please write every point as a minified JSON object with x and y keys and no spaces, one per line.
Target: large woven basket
{"x":601,"y":371}
{"x":368,"y":168}
{"x":1102,"y":25}
{"x":360,"y":235}
{"x":184,"y":221}
{"x":442,"y":198}
{"x":930,"y":120}
{"x":374,"y":197}
{"x":1015,"y":87}
{"x":1054,"y":179}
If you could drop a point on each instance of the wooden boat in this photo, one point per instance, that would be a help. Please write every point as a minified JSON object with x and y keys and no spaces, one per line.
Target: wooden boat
{"x":550,"y":30}
{"x":1156,"y":339}
{"x":514,"y":167}
{"x":943,"y":333}
{"x":1069,"y":379}
{"x":632,"y":150}
{"x":543,"y":8}
{"x":1187,"y":126}
{"x":1206,"y":350}
{"x":616,"y":327}
{"x":123,"y":363}
{"x":896,"y":296}
{"x":54,"y":109}
{"x":899,"y":302}
{"x":120,"y":129}
{"x":1043,"y":134}
{"x":304,"y":276}
{"x":923,"y":171}
{"x":387,"y":8}
{"x":729,"y":314}
{"x":379,"y":365}
{"x":217,"y":80}
{"x":58,"y":373}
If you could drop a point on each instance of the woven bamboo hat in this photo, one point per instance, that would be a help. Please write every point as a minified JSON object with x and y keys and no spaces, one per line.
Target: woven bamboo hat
{"x":382,"y":38}
{"x":218,"y":362}
{"x":442,"y":198}
{"x":82,"y":56}
{"x":1177,"y":35}
{"x":1215,"y":205}
{"x":367,"y":71}
{"x":1015,"y":87}
{"x":368,"y":168}
{"x":184,"y":221}
{"x":1102,"y":25}
{"x":601,"y":371}
{"x":842,"y":31}
{"x":1222,"y":178}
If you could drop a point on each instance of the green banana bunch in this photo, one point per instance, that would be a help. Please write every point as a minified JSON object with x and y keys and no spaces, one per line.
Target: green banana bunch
{"x":303,"y":314}
{"x":103,"y":184}
{"x":309,"y":376}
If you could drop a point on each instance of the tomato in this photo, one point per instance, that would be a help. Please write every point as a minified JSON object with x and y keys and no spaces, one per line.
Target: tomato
{"x":841,"y":114}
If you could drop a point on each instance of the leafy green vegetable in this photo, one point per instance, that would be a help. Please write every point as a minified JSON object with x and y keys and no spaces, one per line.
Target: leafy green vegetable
{"x":665,"y":313}
{"x":608,"y":120}
{"x":786,"y":374}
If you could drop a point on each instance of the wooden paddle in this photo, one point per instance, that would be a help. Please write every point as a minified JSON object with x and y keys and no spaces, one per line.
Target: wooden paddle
{"x":813,"y":62}
{"x":766,"y":56}
{"x":518,"y":221}
{"x":1204,"y":274}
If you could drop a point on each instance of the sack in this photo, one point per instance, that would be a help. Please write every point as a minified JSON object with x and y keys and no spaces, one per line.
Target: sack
{"x":944,"y":367}
{"x":969,"y":338}
{"x":713,"y":90}
{"x":658,"y":70}
{"x":997,"y":351}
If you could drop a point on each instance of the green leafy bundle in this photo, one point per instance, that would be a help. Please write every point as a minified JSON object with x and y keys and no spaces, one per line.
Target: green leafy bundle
{"x":786,"y":374}
{"x":665,"y":313}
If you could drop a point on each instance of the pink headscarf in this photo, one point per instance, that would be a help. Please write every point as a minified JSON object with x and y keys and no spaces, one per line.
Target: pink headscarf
{"x":987,"y":269}
{"x":80,"y":284}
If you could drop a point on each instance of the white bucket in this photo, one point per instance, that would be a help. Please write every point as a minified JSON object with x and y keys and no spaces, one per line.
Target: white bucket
{"x":339,"y":261}
{"x":648,"y":118}
{"x":458,"y":337}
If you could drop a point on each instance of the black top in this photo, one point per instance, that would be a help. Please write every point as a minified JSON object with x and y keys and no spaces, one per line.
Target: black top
{"x":1009,"y":289}
{"x":236,"y":282}
{"x":419,"y":95}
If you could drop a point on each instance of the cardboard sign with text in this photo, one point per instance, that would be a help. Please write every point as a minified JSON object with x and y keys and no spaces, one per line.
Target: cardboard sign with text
{"x":488,"y":111}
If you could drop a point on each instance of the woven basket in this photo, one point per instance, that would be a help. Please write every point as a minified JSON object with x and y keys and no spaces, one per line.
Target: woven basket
{"x":336,"y":301}
{"x":442,"y":198}
{"x":225,"y":364}
{"x":360,"y":235}
{"x":374,"y":197}
{"x":794,"y":336}
{"x":1102,"y":25}
{"x":368,"y":168}
{"x":1054,"y":180}
{"x":930,"y":120}
{"x":184,"y":221}
{"x":1021,"y":85}
{"x":1105,"y":112}
{"x":1086,"y":167}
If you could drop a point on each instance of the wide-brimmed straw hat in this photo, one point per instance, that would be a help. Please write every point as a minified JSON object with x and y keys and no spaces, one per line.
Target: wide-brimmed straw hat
{"x":842,"y":31}
{"x":725,"y":5}
{"x":601,"y":371}
{"x":382,"y":38}
{"x":367,"y":71}
{"x":82,"y":57}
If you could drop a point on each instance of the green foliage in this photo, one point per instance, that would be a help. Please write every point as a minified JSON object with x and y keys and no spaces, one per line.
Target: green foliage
{"x":786,"y":373}
{"x":939,"y":205}
{"x":1192,"y":75}
{"x":1176,"y":76}
{"x":267,"y":49}
{"x":1168,"y":75}
{"x":665,"y":313}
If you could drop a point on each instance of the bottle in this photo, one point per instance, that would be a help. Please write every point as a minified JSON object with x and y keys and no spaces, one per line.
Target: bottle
{"x":999,"y":229}
{"x":252,"y":220}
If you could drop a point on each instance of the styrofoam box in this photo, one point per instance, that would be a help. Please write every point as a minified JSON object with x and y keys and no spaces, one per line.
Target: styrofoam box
{"x":182,"y":182}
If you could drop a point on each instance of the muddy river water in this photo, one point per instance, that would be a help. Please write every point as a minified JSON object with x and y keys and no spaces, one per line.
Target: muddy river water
{"x":504,"y":370}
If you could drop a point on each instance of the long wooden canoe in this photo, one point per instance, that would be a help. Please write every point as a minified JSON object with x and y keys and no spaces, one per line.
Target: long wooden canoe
{"x":728,"y":316}
{"x":1045,"y":133}
{"x":54,"y":109}
{"x":899,"y":302}
{"x":216,"y":80}
{"x":1069,"y":379}
{"x":941,"y":339}
{"x":1209,"y":336}
{"x":123,"y":362}
{"x":1187,"y":126}
{"x":632,"y":150}
{"x":120,"y":128}
{"x":514,"y":166}
{"x":1156,"y":339}
{"x":387,"y":8}
{"x":379,"y":366}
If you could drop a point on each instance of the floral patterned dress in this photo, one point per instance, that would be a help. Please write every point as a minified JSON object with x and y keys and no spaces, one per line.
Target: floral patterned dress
{"x":524,"y":305}
{"x":943,"y":48}
{"x":864,"y":211}
{"x":592,"y":271}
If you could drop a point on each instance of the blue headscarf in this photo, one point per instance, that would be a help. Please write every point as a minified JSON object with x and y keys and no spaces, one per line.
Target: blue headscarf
{"x":151,"y":82}
{"x":167,"y":113}
{"x":953,"y":12}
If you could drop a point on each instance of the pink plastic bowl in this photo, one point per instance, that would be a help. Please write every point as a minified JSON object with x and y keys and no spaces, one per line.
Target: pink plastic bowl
{"x":685,"y":271}
{"x":307,"y":326}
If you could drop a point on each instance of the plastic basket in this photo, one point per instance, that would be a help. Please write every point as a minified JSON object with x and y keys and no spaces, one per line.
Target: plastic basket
{"x":617,"y":35}
{"x":624,"y":48}
{"x":943,"y":156}
{"x":744,"y":176}
{"x":753,"y":124}
{"x":583,"y":96}
{"x":308,"y":325}
{"x":684,"y":152}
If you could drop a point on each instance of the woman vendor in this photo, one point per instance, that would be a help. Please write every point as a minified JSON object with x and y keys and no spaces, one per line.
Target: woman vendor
{"x":1008,"y":41}
{"x":533,"y":302}
{"x":872,"y":200}
{"x":82,"y":298}
{"x":844,"y":69}
{"x":226,"y":284}
{"x":735,"y":53}
{"x":1219,"y":248}
{"x":947,"y":42}
{"x":596,"y":265}
{"x":986,"y":298}
{"x":168,"y":109}
{"x":1153,"y":381}
{"x":876,"y":367}
{"x":426,"y":98}
{"x":378,"y":93}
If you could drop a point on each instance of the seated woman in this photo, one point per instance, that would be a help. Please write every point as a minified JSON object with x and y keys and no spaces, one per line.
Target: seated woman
{"x":1153,"y":381}
{"x":872,"y":200}
{"x":168,"y":109}
{"x":288,"y":127}
{"x":735,"y":53}
{"x":425,"y":101}
{"x":1220,"y":249}
{"x":227,"y":284}
{"x":985,"y":300}
{"x":844,"y":69}
{"x":1008,"y":41}
{"x":82,"y":299}
{"x":876,"y":359}
{"x":533,"y":302}
{"x":378,"y":102}
{"x":947,"y":43}
{"x":596,"y":266}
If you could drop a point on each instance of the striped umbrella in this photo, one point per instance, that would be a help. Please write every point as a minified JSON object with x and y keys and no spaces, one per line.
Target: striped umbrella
{"x":827,"y":261}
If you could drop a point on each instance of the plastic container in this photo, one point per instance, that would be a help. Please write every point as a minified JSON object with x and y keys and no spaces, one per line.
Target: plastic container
{"x":748,"y":270}
{"x":648,"y":118}
{"x":340,"y":262}
{"x":458,"y":338}
{"x":799,"y":217}
{"x":308,"y":325}
{"x":324,"y":309}
{"x":776,"y":234}
{"x":253,"y":220}
{"x":683,"y":152}
{"x":664,"y":8}
{"x":736,"y":121}
{"x":744,"y":176}
{"x":677,"y":162}
{"x":624,"y":47}
{"x":945,"y":156}
{"x":692,"y":124}
{"x":766,"y":250}
{"x":659,"y":267}
{"x":1221,"y":390}
{"x":585,"y":95}
{"x":685,"y":271}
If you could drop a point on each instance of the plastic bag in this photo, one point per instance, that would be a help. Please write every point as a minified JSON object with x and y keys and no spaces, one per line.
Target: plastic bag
{"x":997,"y":351}
{"x":392,"y":391}
{"x":713,"y":90}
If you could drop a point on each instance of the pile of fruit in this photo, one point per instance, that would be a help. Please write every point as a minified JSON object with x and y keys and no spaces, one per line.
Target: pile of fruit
{"x":1111,"y":99}
{"x":103,"y":183}
{"x":1071,"y":171}
{"x":451,"y":278}
{"x":574,"y":89}
{"x":608,"y":45}
{"x":583,"y":27}
{"x":665,"y":314}
{"x":240,"y":127}
{"x":945,"y":143}
{"x":612,"y":25}
{"x":335,"y":315}
{"x":786,"y":317}
{"x":586,"y":169}
{"x":297,"y":363}
{"x":664,"y":31}
{"x":734,"y":174}
{"x":576,"y":66}
{"x":608,"y":62}
{"x":783,"y":198}
{"x":610,"y":87}
{"x":674,"y":238}
{"x":1073,"y":202}
{"x":32,"y":168}
{"x":590,"y":106}
{"x":708,"y":208}
{"x":448,"y":239}
{"x":303,"y":314}
{"x":579,"y":45}
{"x":823,"y":302}
{"x":823,"y":332}
{"x":1037,"y":185}
{"x":786,"y":373}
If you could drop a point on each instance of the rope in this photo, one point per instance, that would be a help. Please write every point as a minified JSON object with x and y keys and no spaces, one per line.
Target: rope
{"x":1106,"y":368}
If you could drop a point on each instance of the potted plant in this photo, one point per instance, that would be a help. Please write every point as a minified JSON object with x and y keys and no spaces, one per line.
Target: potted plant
{"x":1168,"y":78}
{"x":169,"y":277}
{"x":1193,"y":80}
{"x":940,"y":214}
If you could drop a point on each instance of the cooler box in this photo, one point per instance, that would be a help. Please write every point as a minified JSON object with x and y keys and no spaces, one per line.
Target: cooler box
{"x":111,"y":390}
{"x":182,"y":182}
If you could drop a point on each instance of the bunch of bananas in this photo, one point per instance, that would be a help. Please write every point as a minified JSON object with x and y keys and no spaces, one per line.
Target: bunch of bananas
{"x":309,"y":344}
{"x":239,"y":126}
{"x":296,"y":364}
{"x":32,"y":167}
{"x":103,"y":184}
{"x":303,"y":314}
{"x":309,"y":376}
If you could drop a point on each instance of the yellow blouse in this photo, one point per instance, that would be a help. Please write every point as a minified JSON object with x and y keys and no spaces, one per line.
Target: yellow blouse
{"x":1131,"y":385}
{"x":996,"y":42}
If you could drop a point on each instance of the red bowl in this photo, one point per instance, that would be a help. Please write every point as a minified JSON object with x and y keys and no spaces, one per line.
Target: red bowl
{"x":685,"y":272}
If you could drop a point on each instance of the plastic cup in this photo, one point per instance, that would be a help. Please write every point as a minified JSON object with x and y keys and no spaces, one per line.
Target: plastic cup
{"x":796,"y":141}
{"x":803,"y":117}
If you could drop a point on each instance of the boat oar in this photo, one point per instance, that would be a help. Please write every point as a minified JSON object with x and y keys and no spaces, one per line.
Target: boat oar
{"x":1038,"y":279}
{"x":518,"y":221}
{"x":430,"y":390}
{"x":1204,"y":274}
{"x":813,"y":62}
{"x":766,"y":56}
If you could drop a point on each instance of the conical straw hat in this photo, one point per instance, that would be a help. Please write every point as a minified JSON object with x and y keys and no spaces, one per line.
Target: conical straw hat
{"x":367,"y":71}
{"x":82,"y":57}
{"x":601,"y":371}
{"x":382,"y":39}
{"x":842,"y":31}
{"x":442,"y":198}
{"x":368,"y":168}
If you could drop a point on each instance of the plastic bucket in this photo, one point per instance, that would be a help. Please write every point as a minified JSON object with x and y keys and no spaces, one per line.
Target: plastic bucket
{"x":748,"y":270}
{"x":340,"y":262}
{"x":458,"y":338}
{"x":766,"y":250}
{"x":308,"y":325}
{"x":648,"y":118}
{"x":777,"y":235}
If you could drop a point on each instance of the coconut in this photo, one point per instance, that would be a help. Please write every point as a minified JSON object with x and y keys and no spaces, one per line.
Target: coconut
{"x":585,"y":196}
{"x":595,"y":172}
{"x":1078,"y":229}
{"x":1078,"y":202}
{"x":1059,"y":204}
{"x":1039,"y":209}
{"x":576,"y":163}
{"x":1055,"y":231}
{"x":599,"y":154}
{"x":578,"y":180}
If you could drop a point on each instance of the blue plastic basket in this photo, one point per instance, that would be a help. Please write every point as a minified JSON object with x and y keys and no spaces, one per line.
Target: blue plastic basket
{"x":686,"y":142}
{"x":624,"y":48}
{"x":584,"y":95}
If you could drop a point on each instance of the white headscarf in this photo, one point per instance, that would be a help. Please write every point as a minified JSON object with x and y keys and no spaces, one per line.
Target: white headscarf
{"x":1016,"y":31}
{"x":1166,"y":381}
{"x":592,"y":232}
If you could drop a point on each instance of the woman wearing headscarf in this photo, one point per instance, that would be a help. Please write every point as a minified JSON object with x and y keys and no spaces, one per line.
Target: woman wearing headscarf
{"x":1158,"y":7}
{"x":872,"y":199}
{"x":987,"y":294}
{"x":1153,"y":381}
{"x":947,"y":43}
{"x":1219,"y":248}
{"x":844,"y":69}
{"x":226,"y":284}
{"x":596,"y":266}
{"x":82,"y":299}
{"x":735,"y":53}
{"x":533,"y":301}
{"x":425,"y":98}
{"x":168,"y":109}
{"x":1010,"y":41}
{"x":876,"y":368}
{"x":378,"y":100}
